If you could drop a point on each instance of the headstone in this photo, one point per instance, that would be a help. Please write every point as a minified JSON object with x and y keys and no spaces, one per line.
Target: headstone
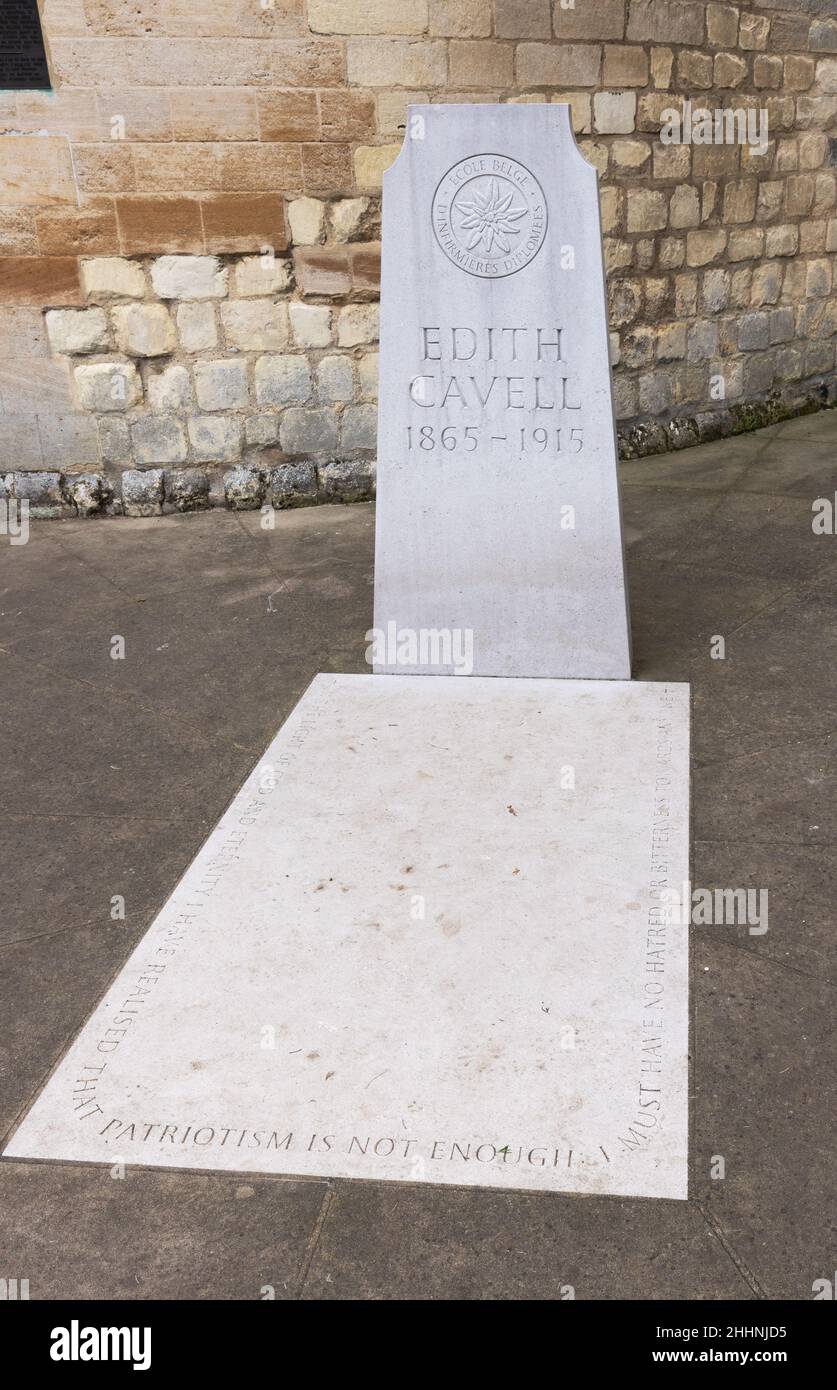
{"x":415,"y":947}
{"x":498,"y":501}
{"x":22,"y":53}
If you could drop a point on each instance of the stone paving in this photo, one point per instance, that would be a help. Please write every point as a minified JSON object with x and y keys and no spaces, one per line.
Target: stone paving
{"x":114,"y":771}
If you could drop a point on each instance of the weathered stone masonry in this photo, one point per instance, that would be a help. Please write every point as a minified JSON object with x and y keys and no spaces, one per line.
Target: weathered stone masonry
{"x":189,"y":228}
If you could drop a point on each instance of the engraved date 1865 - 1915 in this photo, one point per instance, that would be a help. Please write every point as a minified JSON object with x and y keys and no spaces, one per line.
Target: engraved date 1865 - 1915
{"x":467,"y":438}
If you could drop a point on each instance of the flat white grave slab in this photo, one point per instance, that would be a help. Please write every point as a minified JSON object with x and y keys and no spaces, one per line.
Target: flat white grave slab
{"x":426,"y":942}
{"x":498,"y":501}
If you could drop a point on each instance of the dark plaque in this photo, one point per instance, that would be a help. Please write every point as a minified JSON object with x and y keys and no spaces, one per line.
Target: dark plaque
{"x":22,"y":54}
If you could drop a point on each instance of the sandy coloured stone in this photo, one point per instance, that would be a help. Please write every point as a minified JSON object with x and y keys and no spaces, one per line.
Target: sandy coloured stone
{"x":630,"y":154}
{"x":671,"y":253}
{"x":753,"y":332}
{"x":671,"y":342}
{"x":255,"y":276}
{"x":357,"y":324}
{"x":784,"y":241}
{"x":818,"y":278}
{"x":197,"y":327}
{"x":564,"y":65}
{"x":106,"y":386}
{"x":766,"y":284}
{"x":36,"y":170}
{"x":367,"y":16}
{"x":306,"y":217}
{"x":170,"y":389}
{"x":662,"y":61}
{"x":111,"y":277}
{"x":799,"y":194}
{"x":346,"y":217}
{"x":767,"y":71}
{"x":672,"y":161}
{"x":647,"y":210}
{"x":614,"y":113}
{"x":705,"y":246}
{"x":722,"y":25}
{"x":799,"y":72}
{"x":625,"y":65}
{"x":694,"y":69}
{"x":189,"y":277}
{"x":255,"y":325}
{"x":730,"y":70}
{"x":311,"y":324}
{"x":715,"y":290}
{"x":144,"y":330}
{"x":77,"y":330}
{"x":396,"y":62}
{"x":740,"y":200}
{"x":753,"y":31}
{"x":370,"y":162}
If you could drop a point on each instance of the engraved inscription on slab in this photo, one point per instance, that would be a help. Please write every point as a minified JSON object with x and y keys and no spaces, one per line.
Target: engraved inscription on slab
{"x":410,"y":951}
{"x":489,"y":215}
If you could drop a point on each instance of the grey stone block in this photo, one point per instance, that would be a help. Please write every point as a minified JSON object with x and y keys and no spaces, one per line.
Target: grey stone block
{"x":261,"y":429}
{"x":187,"y":489}
{"x":158,"y":439}
{"x":43,"y":492}
{"x":244,"y":488}
{"x":347,"y":480}
{"x":91,"y":493}
{"x":282,"y":379}
{"x":308,"y":431}
{"x":215,"y":438}
{"x":293,"y":484}
{"x":114,"y":439}
{"x":754,"y":331}
{"x":143,"y":492}
{"x":68,"y":439}
{"x":335,"y":379}
{"x":359,"y":427}
{"x":20,"y":440}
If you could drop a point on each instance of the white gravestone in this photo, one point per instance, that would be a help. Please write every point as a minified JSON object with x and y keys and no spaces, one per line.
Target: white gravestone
{"x":498,"y":499}
{"x":430,"y":940}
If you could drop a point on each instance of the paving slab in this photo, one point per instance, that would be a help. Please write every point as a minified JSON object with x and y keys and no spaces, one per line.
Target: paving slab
{"x":488,"y":990}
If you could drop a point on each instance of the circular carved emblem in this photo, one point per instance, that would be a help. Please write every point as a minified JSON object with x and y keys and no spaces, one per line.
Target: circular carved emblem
{"x":489,"y":215}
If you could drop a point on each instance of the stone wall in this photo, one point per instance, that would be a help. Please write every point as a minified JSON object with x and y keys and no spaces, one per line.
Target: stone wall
{"x":189,"y":226}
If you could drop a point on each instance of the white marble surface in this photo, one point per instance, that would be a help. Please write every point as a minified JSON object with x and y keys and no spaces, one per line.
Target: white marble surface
{"x":495,"y":412}
{"x":413,"y":948}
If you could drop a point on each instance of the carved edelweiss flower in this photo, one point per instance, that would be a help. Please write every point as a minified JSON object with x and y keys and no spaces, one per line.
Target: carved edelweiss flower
{"x":490,"y":218}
